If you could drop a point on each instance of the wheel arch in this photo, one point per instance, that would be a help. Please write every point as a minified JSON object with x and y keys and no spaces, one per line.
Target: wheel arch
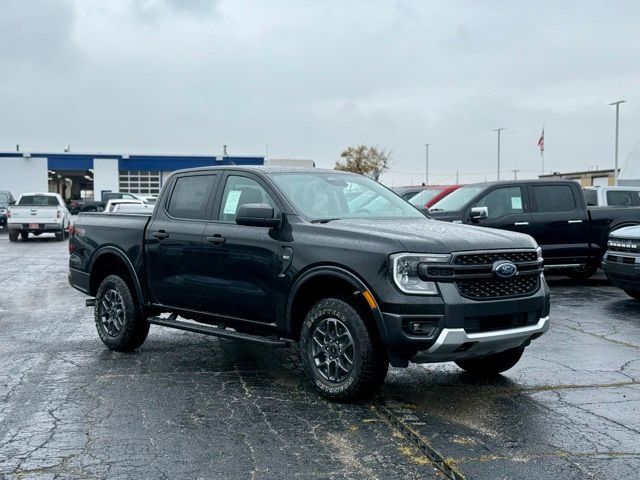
{"x":343,"y":281}
{"x":111,"y":260}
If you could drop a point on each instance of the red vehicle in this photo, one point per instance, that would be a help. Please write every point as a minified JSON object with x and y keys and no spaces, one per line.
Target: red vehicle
{"x":428,"y":196}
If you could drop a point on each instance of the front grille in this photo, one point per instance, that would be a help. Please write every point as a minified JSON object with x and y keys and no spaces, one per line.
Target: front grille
{"x":440,"y":271}
{"x":486,"y":288}
{"x":488,"y":258}
{"x":621,"y":248}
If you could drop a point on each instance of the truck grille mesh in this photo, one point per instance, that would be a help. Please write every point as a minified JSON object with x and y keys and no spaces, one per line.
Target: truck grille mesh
{"x":487,"y":288}
{"x":489,"y":258}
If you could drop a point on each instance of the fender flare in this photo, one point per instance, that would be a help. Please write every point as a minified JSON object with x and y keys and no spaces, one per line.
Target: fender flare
{"x":357,"y":283}
{"x":127,"y":263}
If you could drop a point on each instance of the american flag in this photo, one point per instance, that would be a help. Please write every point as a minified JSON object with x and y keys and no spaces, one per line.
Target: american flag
{"x":541,"y":142}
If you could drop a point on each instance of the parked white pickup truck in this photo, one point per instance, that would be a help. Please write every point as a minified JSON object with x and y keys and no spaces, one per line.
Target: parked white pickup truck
{"x":612,"y":196}
{"x":38,"y":213}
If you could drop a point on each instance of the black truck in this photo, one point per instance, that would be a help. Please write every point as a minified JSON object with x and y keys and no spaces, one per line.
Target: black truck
{"x":333,"y":260}
{"x":573,"y":236}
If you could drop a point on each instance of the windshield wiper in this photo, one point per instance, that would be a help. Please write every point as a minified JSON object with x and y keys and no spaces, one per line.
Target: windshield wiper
{"x":324,"y":220}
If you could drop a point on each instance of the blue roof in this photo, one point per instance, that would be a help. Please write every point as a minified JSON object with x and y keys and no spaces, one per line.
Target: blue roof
{"x":164,"y":163}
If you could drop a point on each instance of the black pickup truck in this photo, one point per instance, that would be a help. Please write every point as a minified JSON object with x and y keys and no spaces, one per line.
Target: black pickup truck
{"x":333,"y":260}
{"x":573,"y":236}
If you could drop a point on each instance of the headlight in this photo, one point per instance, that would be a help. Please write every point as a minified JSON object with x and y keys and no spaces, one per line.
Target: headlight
{"x":405,"y":272}
{"x":539,"y":252}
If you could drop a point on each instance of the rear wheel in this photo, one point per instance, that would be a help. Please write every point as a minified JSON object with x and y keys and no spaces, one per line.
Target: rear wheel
{"x":13,"y":236}
{"x":119,"y":321}
{"x":633,"y":293}
{"x":24,"y":236}
{"x":583,"y":272}
{"x":491,"y":365}
{"x":341,"y":351}
{"x":60,"y":234}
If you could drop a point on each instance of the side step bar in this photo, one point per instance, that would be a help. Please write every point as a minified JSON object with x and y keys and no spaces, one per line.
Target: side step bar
{"x":171,"y":322}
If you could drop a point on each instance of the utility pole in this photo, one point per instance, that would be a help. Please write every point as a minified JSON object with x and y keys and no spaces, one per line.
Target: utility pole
{"x":426,"y":176}
{"x":499,"y":130}
{"x":615,"y":168}
{"x":457,"y":178}
{"x":515,"y":174}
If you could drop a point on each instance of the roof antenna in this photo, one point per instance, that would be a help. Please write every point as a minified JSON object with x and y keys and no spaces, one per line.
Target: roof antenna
{"x":225,"y":155}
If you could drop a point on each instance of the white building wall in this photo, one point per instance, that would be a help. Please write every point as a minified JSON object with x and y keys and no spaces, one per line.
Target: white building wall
{"x":20,"y":175}
{"x":105,"y":176}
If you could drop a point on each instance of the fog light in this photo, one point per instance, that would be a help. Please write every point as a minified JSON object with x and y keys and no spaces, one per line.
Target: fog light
{"x":421,"y":327}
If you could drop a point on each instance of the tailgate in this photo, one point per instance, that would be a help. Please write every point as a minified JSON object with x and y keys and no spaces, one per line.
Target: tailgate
{"x":34,"y":214}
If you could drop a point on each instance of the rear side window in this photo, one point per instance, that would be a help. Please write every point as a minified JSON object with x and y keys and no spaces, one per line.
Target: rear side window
{"x":591,"y":196}
{"x":622,"y":198}
{"x":190,"y":196}
{"x":39,"y":200}
{"x":554,"y":198}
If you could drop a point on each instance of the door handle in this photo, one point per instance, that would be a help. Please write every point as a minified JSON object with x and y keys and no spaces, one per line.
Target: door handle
{"x":574,"y":221}
{"x":160,"y":234}
{"x":518,"y":224}
{"x":217,"y":239}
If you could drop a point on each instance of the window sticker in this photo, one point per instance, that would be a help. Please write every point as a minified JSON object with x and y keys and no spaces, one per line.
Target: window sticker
{"x":516,"y":203}
{"x":231,"y":205}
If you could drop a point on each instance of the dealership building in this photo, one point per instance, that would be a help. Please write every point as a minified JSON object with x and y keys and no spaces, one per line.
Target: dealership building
{"x":87,"y":175}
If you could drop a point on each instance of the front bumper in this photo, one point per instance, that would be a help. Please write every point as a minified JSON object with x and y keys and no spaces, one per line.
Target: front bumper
{"x":623,"y":269}
{"x":456,"y":343}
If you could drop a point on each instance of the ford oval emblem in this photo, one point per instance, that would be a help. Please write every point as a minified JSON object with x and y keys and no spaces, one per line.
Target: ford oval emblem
{"x":504,"y":269}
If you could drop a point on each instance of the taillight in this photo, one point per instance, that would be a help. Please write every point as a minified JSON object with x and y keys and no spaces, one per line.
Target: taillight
{"x":9,"y":213}
{"x":59,"y":214}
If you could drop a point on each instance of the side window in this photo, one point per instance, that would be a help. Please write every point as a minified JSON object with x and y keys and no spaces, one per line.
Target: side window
{"x":190,"y":196}
{"x":502,"y":201}
{"x":622,"y":198}
{"x":239,"y":191}
{"x":554,"y":198}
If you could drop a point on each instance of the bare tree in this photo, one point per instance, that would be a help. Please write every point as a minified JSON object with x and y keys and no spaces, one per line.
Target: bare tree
{"x":367,"y":161}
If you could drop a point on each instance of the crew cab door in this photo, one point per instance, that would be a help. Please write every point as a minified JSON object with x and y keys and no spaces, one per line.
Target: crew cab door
{"x":176,"y":274}
{"x":560,"y":223}
{"x":242,"y":262}
{"x":507,"y":208}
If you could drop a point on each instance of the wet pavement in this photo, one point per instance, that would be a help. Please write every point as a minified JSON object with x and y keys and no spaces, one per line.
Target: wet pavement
{"x":189,"y":406}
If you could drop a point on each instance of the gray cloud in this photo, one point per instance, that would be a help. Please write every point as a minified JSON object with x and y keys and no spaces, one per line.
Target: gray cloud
{"x":310,"y":78}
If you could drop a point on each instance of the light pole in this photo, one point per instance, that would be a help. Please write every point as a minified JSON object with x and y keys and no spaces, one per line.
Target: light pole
{"x":426,"y":176}
{"x":615,"y":168}
{"x":498,"y":130}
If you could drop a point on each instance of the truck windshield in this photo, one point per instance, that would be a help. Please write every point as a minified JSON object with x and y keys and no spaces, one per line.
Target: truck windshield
{"x":4,"y":198}
{"x":38,"y":200}
{"x":457,"y":199}
{"x":328,"y":196}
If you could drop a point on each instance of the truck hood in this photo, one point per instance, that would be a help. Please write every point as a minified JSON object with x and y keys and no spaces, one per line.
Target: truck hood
{"x":431,"y":236}
{"x":627,"y":233}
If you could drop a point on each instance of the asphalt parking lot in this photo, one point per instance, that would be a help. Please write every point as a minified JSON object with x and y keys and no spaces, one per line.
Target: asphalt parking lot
{"x":189,"y":406}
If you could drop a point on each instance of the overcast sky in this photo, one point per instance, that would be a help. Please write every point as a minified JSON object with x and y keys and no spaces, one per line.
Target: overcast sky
{"x":311,"y":78}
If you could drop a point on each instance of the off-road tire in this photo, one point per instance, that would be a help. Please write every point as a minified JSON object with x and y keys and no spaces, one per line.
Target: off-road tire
{"x":370,"y":359}
{"x":633,"y":294}
{"x":134,"y":328}
{"x":491,"y":365}
{"x":13,"y":236}
{"x":60,"y":235}
{"x":582,"y":273}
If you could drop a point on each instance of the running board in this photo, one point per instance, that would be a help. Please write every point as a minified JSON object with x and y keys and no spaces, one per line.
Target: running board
{"x":171,"y":322}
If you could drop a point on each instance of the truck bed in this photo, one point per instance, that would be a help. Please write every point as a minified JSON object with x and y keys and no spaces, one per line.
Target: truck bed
{"x":124,"y":231}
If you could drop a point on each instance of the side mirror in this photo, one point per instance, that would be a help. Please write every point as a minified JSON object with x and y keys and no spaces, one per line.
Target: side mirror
{"x":478,"y":213}
{"x":257,"y":215}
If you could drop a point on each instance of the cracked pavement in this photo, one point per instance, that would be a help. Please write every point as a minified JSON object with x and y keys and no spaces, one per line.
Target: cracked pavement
{"x":189,"y":406}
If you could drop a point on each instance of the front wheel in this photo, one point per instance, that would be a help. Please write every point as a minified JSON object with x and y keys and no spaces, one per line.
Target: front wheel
{"x":633,"y":294}
{"x":341,"y":351}
{"x":119,"y":321}
{"x":491,"y":365}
